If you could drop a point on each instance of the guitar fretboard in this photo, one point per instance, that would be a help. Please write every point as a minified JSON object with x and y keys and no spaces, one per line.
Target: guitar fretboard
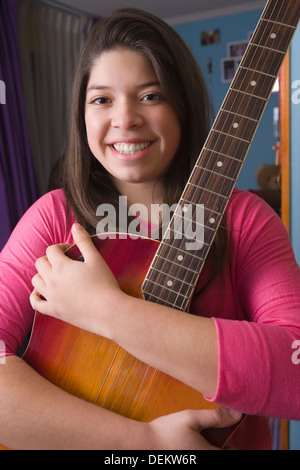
{"x":179,"y":260}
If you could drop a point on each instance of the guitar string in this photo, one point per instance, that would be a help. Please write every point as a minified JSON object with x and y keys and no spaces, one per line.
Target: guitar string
{"x":115,"y":379}
{"x":112,"y":388}
{"x":146,"y":393}
{"x":261,"y":25}
{"x":107,"y":374}
{"x":128,"y":389}
{"x":137,"y":394}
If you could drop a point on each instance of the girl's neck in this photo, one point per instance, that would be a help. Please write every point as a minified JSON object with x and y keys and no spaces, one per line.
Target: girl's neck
{"x":144,"y":198}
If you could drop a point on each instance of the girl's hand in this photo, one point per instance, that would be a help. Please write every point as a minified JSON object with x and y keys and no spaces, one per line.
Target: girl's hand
{"x":182,"y":430}
{"x":75,"y":291}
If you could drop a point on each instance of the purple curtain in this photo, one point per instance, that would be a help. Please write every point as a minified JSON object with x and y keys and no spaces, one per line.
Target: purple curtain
{"x":17,"y":180}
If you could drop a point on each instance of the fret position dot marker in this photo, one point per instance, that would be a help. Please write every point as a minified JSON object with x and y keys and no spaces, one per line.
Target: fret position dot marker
{"x":273,"y":36}
{"x":253,"y":83}
{"x":180,"y":258}
{"x":219,"y":164}
{"x":169,"y":283}
{"x":212,"y":220}
{"x":235,"y":125}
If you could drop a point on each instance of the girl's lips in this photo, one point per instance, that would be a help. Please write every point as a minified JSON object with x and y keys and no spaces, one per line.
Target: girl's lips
{"x":130,"y":151}
{"x":130,"y":148}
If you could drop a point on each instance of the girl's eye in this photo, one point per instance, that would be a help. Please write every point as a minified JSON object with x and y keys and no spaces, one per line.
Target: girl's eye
{"x":152,"y":97}
{"x":101,"y":100}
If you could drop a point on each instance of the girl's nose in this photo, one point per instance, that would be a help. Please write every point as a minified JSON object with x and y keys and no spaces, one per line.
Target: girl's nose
{"x":126,"y":115}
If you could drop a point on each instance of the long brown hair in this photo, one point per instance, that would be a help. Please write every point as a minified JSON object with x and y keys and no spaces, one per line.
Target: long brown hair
{"x":85,"y":182}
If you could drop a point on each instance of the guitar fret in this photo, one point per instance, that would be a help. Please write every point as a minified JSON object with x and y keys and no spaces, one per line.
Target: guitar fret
{"x":182,"y":250}
{"x":211,"y":180}
{"x":280,"y":24}
{"x":186,"y":219}
{"x":211,"y":192}
{"x":251,"y":106}
{"x":269,"y":48}
{"x":203,"y":226}
{"x":273,"y":36}
{"x":167,"y":290}
{"x":211,"y":210}
{"x":234,"y":137}
{"x":231,"y":135}
{"x":254,"y":83}
{"x":212,"y":202}
{"x":232,"y":147}
{"x":268,"y":62}
{"x":180,"y":235}
{"x":166,"y":260}
{"x":151,"y":296}
{"x":239,"y":115}
{"x":208,"y":190}
{"x":262,"y":73}
{"x":282,"y":12}
{"x":221,"y":154}
{"x":249,"y":94}
{"x":215,"y":173}
{"x":168,"y":276}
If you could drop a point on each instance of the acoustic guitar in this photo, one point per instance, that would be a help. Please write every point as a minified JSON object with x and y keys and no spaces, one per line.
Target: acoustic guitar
{"x":98,"y":370}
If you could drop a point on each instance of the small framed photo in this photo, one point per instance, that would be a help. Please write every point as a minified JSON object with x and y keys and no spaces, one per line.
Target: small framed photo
{"x":210,"y":37}
{"x":237,"y":49}
{"x":228,"y":67}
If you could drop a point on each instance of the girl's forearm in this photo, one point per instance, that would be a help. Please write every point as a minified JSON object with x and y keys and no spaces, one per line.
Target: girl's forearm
{"x":35,"y":414}
{"x":177,"y":343}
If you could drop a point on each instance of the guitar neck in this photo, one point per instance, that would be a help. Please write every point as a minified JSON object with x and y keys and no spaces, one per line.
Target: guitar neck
{"x":186,"y":243}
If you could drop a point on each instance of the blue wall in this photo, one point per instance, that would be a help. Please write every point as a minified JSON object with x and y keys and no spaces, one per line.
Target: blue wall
{"x":232,"y":28}
{"x":295,"y":183}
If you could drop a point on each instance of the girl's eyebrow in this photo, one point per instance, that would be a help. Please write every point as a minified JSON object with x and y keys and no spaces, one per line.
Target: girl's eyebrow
{"x":141,"y":86}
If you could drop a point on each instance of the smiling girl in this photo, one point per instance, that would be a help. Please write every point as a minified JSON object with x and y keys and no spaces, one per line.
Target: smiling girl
{"x":140,"y":116}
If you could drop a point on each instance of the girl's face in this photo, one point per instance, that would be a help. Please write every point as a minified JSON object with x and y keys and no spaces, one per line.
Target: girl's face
{"x":132,"y":129}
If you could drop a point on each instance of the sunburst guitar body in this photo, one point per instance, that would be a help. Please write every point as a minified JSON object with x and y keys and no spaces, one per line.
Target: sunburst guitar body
{"x":96,"y":369}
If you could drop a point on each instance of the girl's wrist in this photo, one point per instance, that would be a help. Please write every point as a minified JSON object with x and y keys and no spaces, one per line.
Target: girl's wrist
{"x":108,"y":321}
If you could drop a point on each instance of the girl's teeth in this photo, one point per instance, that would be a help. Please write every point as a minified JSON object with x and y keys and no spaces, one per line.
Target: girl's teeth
{"x":130,"y":149}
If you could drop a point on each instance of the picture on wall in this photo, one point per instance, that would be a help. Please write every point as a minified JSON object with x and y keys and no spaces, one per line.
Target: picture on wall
{"x":237,"y":49}
{"x":229,"y":67}
{"x":210,"y":37}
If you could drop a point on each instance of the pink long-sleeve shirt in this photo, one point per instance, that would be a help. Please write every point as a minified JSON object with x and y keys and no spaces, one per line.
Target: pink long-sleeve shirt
{"x":255,"y":306}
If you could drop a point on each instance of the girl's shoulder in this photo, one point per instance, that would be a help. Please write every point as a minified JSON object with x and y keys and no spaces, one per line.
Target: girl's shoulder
{"x":47,"y":222}
{"x":252,"y":222}
{"x":246,"y":208}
